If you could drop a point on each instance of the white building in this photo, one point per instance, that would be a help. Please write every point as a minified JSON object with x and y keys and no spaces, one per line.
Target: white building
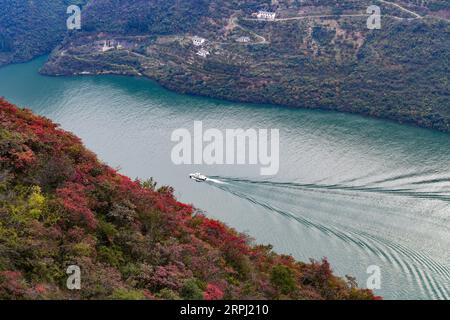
{"x":107,"y":46}
{"x":266,"y":15}
{"x":243,"y":39}
{"x":203,"y":53}
{"x":197,"y":41}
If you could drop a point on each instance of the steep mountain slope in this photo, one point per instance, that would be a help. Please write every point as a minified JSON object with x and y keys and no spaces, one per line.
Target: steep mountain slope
{"x":31,"y":28}
{"x":315,"y":54}
{"x":59,"y":206}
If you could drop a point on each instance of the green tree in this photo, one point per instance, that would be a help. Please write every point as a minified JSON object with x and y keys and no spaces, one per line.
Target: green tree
{"x":283,"y":279}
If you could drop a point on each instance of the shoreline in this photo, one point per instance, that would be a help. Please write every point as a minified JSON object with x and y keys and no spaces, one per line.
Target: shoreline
{"x":175,"y":89}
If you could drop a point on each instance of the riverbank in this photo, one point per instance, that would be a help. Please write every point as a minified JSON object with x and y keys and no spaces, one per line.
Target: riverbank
{"x":62,"y":207}
{"x":379,"y":75}
{"x":356,"y":190}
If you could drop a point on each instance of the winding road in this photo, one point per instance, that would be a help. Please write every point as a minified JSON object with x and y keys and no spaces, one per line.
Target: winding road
{"x":233,"y":21}
{"x":402,"y":8}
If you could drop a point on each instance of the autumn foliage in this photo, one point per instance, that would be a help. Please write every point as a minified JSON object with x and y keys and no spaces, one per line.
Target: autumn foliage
{"x":60,"y":206}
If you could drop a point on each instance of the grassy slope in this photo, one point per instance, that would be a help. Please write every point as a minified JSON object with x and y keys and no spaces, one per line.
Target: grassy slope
{"x":60,"y":206}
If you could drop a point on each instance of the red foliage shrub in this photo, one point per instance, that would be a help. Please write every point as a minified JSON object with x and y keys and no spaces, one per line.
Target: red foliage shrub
{"x":73,"y":198}
{"x":12,"y":285}
{"x":219,"y":235}
{"x":212,"y":292}
{"x":168,"y":277}
{"x":23,"y":159}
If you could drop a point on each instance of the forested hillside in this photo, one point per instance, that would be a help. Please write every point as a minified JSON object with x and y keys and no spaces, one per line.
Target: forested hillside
{"x":315,"y":54}
{"x":30,"y":28}
{"x":60,"y":206}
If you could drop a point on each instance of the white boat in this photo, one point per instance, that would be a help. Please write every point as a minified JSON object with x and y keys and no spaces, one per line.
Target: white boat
{"x":198,"y":177}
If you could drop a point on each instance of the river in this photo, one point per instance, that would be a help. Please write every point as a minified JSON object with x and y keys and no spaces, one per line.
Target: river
{"x":361,"y":192}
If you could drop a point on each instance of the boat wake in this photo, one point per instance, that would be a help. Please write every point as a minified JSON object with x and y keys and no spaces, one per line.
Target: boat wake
{"x":215,"y":181}
{"x":428,"y":275}
{"x":438,"y":195}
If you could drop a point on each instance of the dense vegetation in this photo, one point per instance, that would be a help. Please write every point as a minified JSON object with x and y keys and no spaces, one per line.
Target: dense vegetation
{"x":31,"y":28}
{"x":143,"y":16}
{"x":400,"y":72}
{"x":60,"y":206}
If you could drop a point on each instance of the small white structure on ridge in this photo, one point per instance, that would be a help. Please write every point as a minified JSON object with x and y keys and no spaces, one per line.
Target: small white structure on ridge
{"x":107,"y":46}
{"x":197,"y":41}
{"x":203,"y":53}
{"x":243,"y":39}
{"x":266,"y":15}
